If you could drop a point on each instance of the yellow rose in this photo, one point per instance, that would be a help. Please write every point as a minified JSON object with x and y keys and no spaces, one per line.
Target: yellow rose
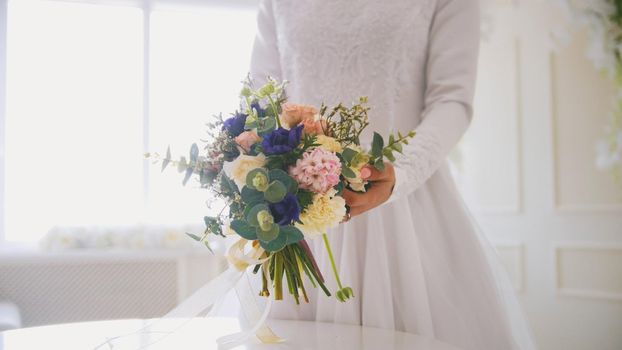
{"x":329,"y":143}
{"x":326,"y":211}
{"x":241,"y":166}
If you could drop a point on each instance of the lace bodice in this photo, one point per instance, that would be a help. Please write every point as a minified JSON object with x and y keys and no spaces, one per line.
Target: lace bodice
{"x":405,"y":55}
{"x":352,"y":48}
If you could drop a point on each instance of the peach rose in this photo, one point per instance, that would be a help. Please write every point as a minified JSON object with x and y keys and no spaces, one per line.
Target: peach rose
{"x":293,"y":114}
{"x":247,"y":139}
{"x":314,"y":127}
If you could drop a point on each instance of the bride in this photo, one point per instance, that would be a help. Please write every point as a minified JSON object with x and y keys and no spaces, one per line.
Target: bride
{"x":410,"y":251}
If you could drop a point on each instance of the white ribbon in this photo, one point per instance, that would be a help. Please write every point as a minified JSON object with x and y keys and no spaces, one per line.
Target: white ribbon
{"x":208,"y":295}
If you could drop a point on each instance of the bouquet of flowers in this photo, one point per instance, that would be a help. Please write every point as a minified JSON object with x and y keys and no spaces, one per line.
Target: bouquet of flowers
{"x":281,"y":169}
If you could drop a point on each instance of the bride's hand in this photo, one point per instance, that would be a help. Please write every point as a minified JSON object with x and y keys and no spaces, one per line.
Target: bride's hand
{"x":380,"y":191}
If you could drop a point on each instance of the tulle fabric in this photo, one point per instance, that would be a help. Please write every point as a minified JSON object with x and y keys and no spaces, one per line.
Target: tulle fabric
{"x":419,"y":265}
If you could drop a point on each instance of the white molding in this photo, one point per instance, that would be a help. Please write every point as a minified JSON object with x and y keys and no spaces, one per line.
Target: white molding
{"x":521,"y":270}
{"x":587,"y":208}
{"x":3,"y":75}
{"x":580,"y":292}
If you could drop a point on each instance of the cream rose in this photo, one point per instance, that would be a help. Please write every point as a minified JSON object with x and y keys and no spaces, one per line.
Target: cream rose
{"x":241,"y":166}
{"x":326,"y":211}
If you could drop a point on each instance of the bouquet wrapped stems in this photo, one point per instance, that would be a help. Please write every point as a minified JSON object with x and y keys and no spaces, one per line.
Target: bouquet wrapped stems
{"x":292,"y":262}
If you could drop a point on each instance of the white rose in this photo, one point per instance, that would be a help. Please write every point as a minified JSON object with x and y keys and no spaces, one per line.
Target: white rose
{"x":241,"y":166}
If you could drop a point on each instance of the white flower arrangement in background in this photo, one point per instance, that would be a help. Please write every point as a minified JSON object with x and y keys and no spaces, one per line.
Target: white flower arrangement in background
{"x":603,"y":18}
{"x":135,"y":237}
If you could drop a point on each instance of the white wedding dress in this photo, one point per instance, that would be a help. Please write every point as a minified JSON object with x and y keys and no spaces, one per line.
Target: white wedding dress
{"x":417,"y":263}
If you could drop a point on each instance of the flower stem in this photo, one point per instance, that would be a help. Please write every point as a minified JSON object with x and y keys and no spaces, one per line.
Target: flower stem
{"x":275,"y":110}
{"x":332,"y":260}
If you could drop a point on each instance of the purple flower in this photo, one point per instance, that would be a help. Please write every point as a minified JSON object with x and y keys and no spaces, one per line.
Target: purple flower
{"x":235,"y":124}
{"x":282,"y":141}
{"x":286,"y":211}
{"x":261,"y":112}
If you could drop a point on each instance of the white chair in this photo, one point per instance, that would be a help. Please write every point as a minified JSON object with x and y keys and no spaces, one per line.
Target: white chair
{"x":9,"y":316}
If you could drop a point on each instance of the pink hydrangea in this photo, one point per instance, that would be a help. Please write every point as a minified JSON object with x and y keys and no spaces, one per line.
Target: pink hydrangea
{"x":317,"y":171}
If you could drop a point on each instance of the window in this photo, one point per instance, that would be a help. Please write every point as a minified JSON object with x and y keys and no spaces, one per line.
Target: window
{"x":91,"y":86}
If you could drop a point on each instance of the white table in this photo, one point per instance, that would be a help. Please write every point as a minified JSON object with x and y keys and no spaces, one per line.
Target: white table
{"x":201,"y":333}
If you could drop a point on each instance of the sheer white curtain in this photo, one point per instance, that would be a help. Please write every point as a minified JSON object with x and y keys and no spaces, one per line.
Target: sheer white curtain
{"x":93,"y":85}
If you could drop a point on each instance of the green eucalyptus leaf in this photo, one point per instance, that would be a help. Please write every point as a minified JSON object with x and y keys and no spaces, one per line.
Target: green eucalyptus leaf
{"x":227,"y":184}
{"x":193,"y":236}
{"x":276,"y":192}
{"x":293,"y":234}
{"x":167,"y":160}
{"x":377,"y":145}
{"x":243,"y":229}
{"x":389,"y":154}
{"x":397,"y":147}
{"x":268,"y":235}
{"x":250,"y":196}
{"x":391,"y":139}
{"x":348,"y":154}
{"x":347,"y":172}
{"x":288,"y":181}
{"x":194,"y":152}
{"x":274,"y":245}
{"x":189,"y":172}
{"x":252,"y":174}
{"x":251,"y":217}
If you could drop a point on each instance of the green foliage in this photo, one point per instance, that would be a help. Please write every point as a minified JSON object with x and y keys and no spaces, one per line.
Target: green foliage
{"x":267,"y":236}
{"x":251,"y":196}
{"x":243,"y":229}
{"x":379,"y":151}
{"x":251,"y":217}
{"x":275,"y":244}
{"x":348,"y":173}
{"x":305,"y":198}
{"x":293,"y":234}
{"x":213,"y":225}
{"x":266,"y":125}
{"x":276,"y":192}
{"x":348,"y":155}
{"x":256,"y":174}
{"x":377,"y":145}
{"x":282,"y":176}
{"x":347,"y":124}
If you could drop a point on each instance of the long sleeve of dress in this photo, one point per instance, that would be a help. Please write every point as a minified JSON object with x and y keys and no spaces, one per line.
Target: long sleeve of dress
{"x":265,"y":60}
{"x":450,"y":77}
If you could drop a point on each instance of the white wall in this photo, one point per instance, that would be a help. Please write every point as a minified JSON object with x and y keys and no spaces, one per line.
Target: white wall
{"x":527,"y":166}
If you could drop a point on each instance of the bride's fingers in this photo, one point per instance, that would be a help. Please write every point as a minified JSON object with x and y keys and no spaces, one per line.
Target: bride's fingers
{"x":354,"y":199}
{"x":375,"y":174}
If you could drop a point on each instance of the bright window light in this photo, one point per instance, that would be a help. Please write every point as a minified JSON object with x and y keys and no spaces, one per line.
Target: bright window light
{"x":74,"y":138}
{"x":198,"y":59}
